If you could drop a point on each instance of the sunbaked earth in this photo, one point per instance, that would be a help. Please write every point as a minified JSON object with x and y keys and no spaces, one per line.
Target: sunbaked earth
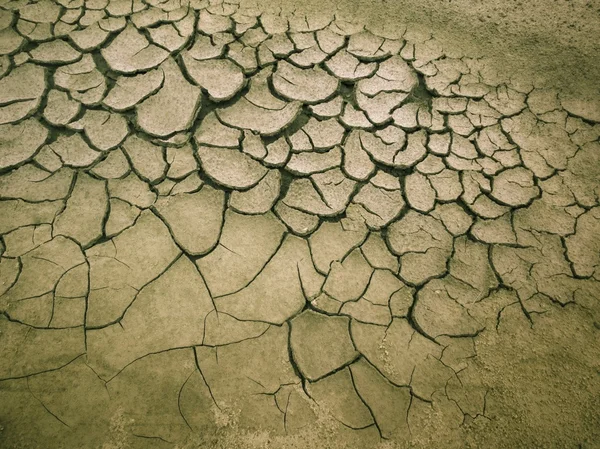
{"x":232,"y":226}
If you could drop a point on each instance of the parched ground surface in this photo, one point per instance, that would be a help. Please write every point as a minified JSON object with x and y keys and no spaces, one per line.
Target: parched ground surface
{"x":232,"y":227}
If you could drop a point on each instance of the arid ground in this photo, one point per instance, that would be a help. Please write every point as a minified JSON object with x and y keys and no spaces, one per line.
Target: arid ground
{"x":277,"y":224}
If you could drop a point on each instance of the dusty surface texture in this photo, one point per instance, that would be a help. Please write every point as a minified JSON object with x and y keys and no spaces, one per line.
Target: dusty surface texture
{"x":274,"y":226}
{"x":546,"y":41}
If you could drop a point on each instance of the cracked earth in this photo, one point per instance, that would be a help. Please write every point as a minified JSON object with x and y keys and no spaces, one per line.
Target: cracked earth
{"x":227,"y":227}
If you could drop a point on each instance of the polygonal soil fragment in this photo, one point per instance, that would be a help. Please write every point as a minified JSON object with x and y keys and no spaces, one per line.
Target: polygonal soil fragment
{"x":195,"y":219}
{"x":230,"y":168}
{"x":321,"y":344}
{"x":276,"y":294}
{"x":74,"y":151}
{"x":338,"y":395}
{"x":83,"y":80}
{"x":24,"y":239}
{"x":122,"y":215}
{"x":309,"y":57}
{"x":259,"y":110}
{"x":497,"y":230}
{"x":446,"y":185}
{"x":354,"y":118}
{"x":583,"y":247}
{"x":539,"y":268}
{"x":348,"y":68}
{"x":393,"y":75}
{"x":115,"y":165}
{"x":181,"y":162}
{"x":306,"y":85}
{"x":278,"y":153}
{"x":20,"y":142}
{"x":334,"y":241}
{"x":546,"y":217}
{"x":471,"y":276}
{"x":246,"y":244}
{"x":173,"y":108}
{"x":300,"y":223}
{"x":514,"y":187}
{"x":454,"y":218}
{"x":356,"y":164}
{"x":308,"y":163}
{"x":170,"y":37}
{"x":120,"y":267}
{"x":396,"y":350}
{"x":331,"y":108}
{"x":60,"y":109}
{"x":381,"y":205}
{"x":253,"y":145}
{"x":317,"y":134}
{"x":437,"y":313}
{"x":347,"y":280}
{"x":85,"y":211}
{"x":419,"y":192}
{"x":325,"y":194}
{"x":33,"y":184}
{"x":41,"y":349}
{"x":21,"y":92}
{"x":30,"y":298}
{"x":377,"y":253}
{"x":222,"y":329}
{"x":390,"y":146}
{"x":17,"y":213}
{"x":221,"y":78}
{"x":276,"y":47}
{"x":189,"y":184}
{"x":544,"y":147}
{"x":90,"y":38}
{"x":388,"y":403}
{"x":423,"y":245}
{"x":10,"y":40}
{"x":382,"y":286}
{"x":55,"y":52}
{"x":213,"y":23}
{"x":365,"y":45}
{"x":379,"y":108}
{"x":212,"y":132}
{"x":130,"y":52}
{"x":128,"y":91}
{"x":233,"y":380}
{"x":146,"y":158}
{"x":583,"y":173}
{"x":168,"y":312}
{"x":105,"y":130}
{"x":260,"y":198}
